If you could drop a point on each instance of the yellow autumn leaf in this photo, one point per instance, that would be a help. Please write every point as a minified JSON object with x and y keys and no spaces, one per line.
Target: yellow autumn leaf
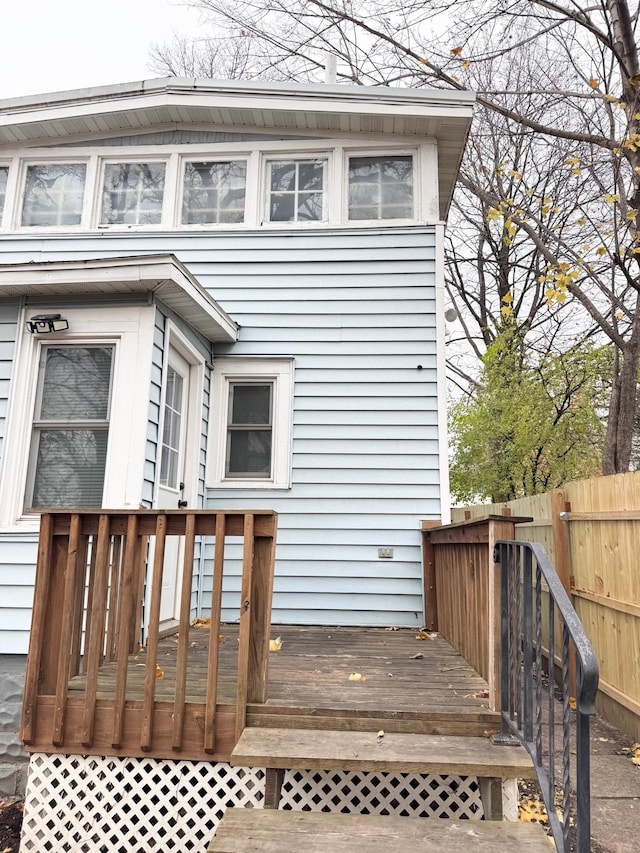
{"x":617,"y":150}
{"x":581,"y":222}
{"x":507,"y":298}
{"x":601,"y":251}
{"x":201,"y":623}
{"x":631,"y":214}
{"x":593,"y":82}
{"x":275,"y":645}
{"x":424,"y":635}
{"x":513,"y":174}
{"x":493,"y":214}
{"x":572,"y":702}
{"x":456,"y":51}
{"x":611,"y":98}
{"x":466,"y":65}
{"x":611,"y":198}
{"x":618,"y":315}
{"x":159,"y":672}
{"x":506,"y":311}
{"x":356,"y":676}
{"x":571,"y":161}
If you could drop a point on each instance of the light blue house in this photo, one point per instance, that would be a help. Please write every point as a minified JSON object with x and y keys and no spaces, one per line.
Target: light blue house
{"x":230,"y":294}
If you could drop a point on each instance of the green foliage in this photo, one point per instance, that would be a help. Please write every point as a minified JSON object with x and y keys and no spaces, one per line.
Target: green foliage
{"x":532,"y":425}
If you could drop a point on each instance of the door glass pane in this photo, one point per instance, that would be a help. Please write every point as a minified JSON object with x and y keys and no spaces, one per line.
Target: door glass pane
{"x":214,"y":193}
{"x":53,"y":194}
{"x":4,"y":175}
{"x":133,"y":193}
{"x":172,"y":428}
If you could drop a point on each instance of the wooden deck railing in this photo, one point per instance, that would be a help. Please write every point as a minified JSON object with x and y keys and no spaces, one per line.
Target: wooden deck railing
{"x":462,"y":590}
{"x":98,"y":593}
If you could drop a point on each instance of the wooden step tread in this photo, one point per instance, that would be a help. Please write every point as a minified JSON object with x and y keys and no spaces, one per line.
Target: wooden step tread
{"x":313,"y":749}
{"x":251,"y":830}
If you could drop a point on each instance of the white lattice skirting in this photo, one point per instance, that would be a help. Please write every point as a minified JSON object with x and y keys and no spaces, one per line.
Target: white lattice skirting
{"x":134,"y":805}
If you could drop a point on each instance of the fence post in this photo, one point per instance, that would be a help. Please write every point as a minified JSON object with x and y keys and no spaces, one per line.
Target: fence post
{"x":429,"y":577}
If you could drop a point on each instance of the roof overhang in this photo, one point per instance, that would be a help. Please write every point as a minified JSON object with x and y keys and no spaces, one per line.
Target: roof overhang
{"x":441,"y":114}
{"x":161,"y":275}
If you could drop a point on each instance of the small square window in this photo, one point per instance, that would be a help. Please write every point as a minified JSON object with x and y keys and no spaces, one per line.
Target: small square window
{"x":297,"y":190}
{"x":214,"y":193}
{"x":381,"y":187}
{"x":133,"y":193}
{"x":53,"y":194}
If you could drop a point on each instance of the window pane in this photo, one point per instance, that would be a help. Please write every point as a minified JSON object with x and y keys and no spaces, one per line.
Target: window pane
{"x":249,"y":453}
{"x":297,"y":191}
{"x":4,"y":175}
{"x":381,"y":187}
{"x":133,"y":193}
{"x":67,"y":458}
{"x":53,"y":194}
{"x":251,"y":404}
{"x":214,"y":193}
{"x":76,"y":384}
{"x":70,"y":465}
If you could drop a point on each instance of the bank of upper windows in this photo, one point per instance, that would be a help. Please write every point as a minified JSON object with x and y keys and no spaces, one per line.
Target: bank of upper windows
{"x":209,"y":192}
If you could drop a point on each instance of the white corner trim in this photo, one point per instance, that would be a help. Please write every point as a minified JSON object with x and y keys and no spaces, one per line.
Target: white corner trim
{"x":441,"y":368}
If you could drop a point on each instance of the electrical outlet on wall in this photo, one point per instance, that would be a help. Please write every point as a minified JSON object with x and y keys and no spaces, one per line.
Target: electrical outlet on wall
{"x":385,"y":553}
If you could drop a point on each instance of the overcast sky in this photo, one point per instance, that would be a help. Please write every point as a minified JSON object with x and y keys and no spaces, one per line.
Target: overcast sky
{"x":53,"y":45}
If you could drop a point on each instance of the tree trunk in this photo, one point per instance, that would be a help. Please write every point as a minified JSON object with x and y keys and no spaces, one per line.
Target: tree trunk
{"x":616,"y":453}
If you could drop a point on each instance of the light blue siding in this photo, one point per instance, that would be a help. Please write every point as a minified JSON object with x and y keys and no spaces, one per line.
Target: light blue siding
{"x":356,"y":311}
{"x":17,"y":576}
{"x":8,"y":330}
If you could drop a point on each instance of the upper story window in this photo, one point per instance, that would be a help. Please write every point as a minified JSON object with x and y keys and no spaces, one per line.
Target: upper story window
{"x":70,"y":427}
{"x":53,"y":194}
{"x":133,"y":193}
{"x":297,"y":190}
{"x":214,"y":192}
{"x":381,"y":187}
{"x":4,"y":174}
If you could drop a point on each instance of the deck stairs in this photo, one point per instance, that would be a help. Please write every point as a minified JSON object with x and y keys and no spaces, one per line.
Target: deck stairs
{"x":277,"y":750}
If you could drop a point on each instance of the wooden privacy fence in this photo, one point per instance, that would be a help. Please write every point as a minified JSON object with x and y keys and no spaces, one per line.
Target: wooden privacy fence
{"x":462,"y":586}
{"x":95,"y":572}
{"x":591,"y":531}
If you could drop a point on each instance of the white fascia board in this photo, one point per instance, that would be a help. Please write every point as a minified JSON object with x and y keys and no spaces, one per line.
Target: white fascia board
{"x":162,"y":275}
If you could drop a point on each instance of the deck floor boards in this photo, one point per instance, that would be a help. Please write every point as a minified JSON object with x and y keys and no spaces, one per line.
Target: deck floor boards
{"x":402,"y":675}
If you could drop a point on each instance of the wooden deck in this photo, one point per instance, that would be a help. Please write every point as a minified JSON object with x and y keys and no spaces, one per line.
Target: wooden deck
{"x":408,"y":685}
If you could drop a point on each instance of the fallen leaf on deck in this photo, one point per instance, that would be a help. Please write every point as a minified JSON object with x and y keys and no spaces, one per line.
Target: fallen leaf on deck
{"x":424,"y":635}
{"x":532,"y":810}
{"x":572,"y":702}
{"x":604,"y":740}
{"x":418,"y":656}
{"x":393,"y":628}
{"x":481,"y":694}
{"x":275,"y":645}
{"x":635,"y":758}
{"x":201,"y":623}
{"x":221,"y":639}
{"x":380,"y":735}
{"x":355,"y":676}
{"x":159,"y":672}
{"x":490,"y":732}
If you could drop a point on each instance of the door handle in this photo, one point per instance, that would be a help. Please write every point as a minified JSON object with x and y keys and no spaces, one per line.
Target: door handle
{"x":182,"y":504}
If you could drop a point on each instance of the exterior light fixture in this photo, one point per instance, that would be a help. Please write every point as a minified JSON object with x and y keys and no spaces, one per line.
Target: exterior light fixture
{"x":45,"y":323}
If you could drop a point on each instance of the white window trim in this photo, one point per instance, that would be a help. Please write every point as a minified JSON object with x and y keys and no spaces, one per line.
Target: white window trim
{"x":16,"y":214}
{"x":131,"y":330}
{"x":227,"y":370}
{"x":168,"y":190}
{"x":179,"y":194}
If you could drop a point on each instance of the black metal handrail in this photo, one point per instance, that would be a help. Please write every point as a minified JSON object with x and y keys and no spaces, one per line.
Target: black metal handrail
{"x":528,"y":704}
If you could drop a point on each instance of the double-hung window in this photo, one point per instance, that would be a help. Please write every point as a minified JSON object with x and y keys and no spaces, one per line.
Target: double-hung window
{"x":133,"y":193}
{"x":70,"y":427}
{"x":381,"y":187}
{"x":53,"y":194}
{"x":4,"y":176}
{"x":297,"y":190}
{"x":251,"y":433}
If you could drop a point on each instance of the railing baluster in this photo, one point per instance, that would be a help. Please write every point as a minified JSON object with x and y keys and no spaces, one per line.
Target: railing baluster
{"x":146,"y":735}
{"x":183,"y":638}
{"x":527,"y":633}
{"x":538,"y":676}
{"x":552,"y":697}
{"x":66,"y":634}
{"x":96,"y":622}
{"x":583,"y":775}
{"x":214,"y":634}
{"x":245,"y":626}
{"x":566,"y":735}
{"x":126,"y":605}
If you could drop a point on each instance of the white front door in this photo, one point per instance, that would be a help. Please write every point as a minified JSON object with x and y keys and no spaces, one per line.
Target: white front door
{"x":171,"y":485}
